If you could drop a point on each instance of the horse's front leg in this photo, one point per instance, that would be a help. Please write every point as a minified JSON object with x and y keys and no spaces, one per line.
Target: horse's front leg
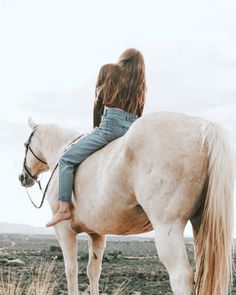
{"x":97,"y":245}
{"x":67,"y":239}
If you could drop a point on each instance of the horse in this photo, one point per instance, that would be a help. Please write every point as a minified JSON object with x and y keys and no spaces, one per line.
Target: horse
{"x":168,"y":169}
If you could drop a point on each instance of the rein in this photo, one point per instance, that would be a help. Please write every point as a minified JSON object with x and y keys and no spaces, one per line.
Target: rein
{"x":43,"y":192}
{"x":27,"y":145}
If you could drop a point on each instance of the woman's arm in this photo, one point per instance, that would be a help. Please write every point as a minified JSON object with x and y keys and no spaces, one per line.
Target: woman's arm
{"x":98,"y":103}
{"x":140,"y":111}
{"x":97,"y":111}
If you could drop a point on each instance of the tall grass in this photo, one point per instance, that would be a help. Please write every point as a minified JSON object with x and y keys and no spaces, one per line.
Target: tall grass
{"x":121,"y":288}
{"x":41,"y":281}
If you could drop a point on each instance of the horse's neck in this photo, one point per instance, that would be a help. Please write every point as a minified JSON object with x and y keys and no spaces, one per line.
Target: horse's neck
{"x":54,"y":141}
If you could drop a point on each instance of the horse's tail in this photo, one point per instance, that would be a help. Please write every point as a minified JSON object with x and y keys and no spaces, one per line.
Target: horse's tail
{"x":214,"y":238}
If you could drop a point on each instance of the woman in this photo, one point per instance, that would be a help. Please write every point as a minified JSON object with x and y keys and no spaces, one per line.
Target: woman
{"x":120,"y":97}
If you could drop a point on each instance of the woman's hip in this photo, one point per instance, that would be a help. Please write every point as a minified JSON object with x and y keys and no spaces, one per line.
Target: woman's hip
{"x":118,"y":116}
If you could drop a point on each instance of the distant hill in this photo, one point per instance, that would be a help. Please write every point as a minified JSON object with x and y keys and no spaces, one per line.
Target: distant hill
{"x":17,"y":228}
{"x":25,"y":229}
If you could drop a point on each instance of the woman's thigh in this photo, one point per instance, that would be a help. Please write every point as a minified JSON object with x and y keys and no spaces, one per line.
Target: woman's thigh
{"x":95,"y":140}
{"x":115,"y":131}
{"x":87,"y":145}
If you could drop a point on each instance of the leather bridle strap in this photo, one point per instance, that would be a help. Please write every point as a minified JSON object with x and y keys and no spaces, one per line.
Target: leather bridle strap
{"x":36,"y":156}
{"x":44,"y":192}
{"x":27,"y":147}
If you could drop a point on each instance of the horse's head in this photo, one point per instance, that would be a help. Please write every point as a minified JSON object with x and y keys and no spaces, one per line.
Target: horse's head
{"x":34,"y":162}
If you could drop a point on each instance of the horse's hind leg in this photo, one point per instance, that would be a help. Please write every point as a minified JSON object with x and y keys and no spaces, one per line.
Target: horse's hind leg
{"x":97,"y":245}
{"x":172,"y":252}
{"x":67,"y":239}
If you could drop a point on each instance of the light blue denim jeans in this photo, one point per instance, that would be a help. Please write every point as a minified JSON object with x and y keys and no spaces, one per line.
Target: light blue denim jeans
{"x":114,"y":124}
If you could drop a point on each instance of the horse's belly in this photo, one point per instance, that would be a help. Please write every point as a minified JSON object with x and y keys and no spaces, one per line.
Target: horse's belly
{"x":122,"y":222}
{"x":132,"y":222}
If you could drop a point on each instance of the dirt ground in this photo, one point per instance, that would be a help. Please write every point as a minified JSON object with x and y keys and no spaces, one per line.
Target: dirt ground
{"x":129,"y":265}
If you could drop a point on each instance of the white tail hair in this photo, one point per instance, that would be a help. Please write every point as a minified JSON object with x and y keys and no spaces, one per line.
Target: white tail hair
{"x":214,"y":239}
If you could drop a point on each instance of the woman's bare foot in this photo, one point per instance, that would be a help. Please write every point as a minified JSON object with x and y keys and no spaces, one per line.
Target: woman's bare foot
{"x":63,"y":213}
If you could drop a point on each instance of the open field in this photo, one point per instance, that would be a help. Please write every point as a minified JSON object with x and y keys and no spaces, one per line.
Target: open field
{"x":129,"y":264}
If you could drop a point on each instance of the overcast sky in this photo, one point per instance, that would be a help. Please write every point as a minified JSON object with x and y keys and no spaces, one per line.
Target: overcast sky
{"x":51,"y":51}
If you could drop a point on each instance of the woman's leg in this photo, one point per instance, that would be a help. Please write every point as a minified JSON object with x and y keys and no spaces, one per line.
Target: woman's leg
{"x":78,"y":152}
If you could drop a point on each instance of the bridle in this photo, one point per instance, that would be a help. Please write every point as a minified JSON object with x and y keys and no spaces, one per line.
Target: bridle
{"x":28,"y":148}
{"x":35,"y":177}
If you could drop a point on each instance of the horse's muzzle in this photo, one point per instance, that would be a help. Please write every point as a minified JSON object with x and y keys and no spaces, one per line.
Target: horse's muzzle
{"x":26,"y":180}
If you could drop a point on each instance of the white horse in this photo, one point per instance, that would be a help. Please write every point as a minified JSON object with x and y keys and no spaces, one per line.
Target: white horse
{"x":167,"y":169}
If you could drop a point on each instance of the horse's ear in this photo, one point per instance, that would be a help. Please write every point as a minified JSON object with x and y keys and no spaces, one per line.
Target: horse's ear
{"x":32,"y":124}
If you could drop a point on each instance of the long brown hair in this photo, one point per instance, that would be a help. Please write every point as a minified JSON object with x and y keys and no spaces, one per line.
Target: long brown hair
{"x":123,"y":83}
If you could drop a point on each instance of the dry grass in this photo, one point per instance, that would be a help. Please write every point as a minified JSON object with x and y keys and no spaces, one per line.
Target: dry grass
{"x":41,"y":282}
{"x":121,"y":288}
{"x":11,"y":285}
